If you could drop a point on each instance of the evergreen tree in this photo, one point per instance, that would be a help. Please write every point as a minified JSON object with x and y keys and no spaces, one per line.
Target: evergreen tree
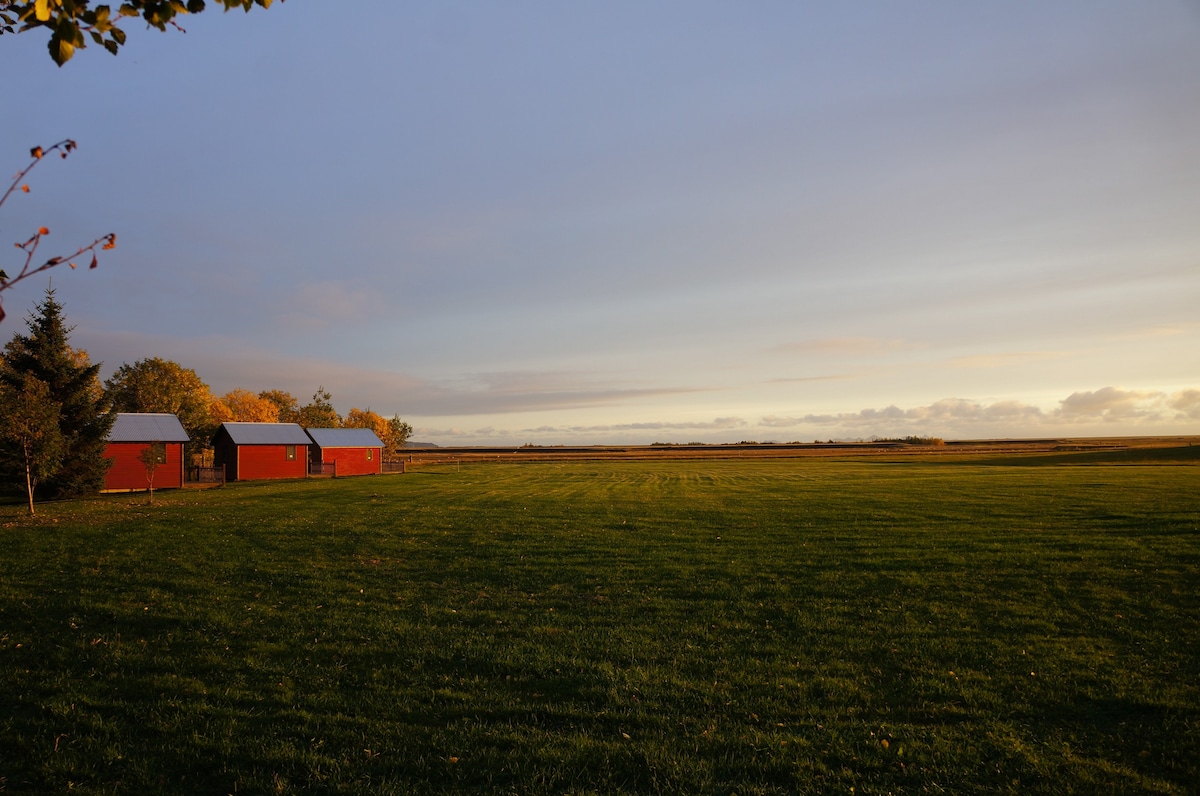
{"x":73,"y":383}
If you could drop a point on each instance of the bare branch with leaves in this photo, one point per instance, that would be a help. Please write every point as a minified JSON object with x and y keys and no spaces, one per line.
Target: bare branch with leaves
{"x":31,"y":266}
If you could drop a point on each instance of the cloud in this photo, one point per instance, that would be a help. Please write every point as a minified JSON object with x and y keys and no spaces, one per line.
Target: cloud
{"x":226,"y":363}
{"x":838,"y":377}
{"x":533,"y":391}
{"x":961,"y":409}
{"x":961,"y":416}
{"x":331,"y":304}
{"x":951,"y":410}
{"x":846,"y":346}
{"x":1187,"y":403}
{"x":774,"y":421}
{"x":589,"y":434}
{"x":1112,"y":404}
{"x":987,"y":361}
{"x":440,"y":432}
{"x":717,"y":424}
{"x":1159,"y":332}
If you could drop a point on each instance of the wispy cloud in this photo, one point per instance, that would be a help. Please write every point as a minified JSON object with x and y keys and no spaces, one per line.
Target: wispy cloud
{"x":331,"y":304}
{"x":1160,"y":331}
{"x":829,"y":377}
{"x":441,"y":433}
{"x":846,"y":346}
{"x":579,"y":433}
{"x":717,"y":424}
{"x":1001,"y":360}
{"x":517,"y":391}
{"x":226,"y":364}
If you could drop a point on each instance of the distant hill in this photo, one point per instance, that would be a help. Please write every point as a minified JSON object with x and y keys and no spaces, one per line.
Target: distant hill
{"x":411,"y":444}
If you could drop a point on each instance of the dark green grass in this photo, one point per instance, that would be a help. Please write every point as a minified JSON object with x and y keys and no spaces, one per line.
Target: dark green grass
{"x":695,"y":627}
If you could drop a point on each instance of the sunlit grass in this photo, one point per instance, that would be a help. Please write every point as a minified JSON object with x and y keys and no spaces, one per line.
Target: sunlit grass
{"x":750,"y":627}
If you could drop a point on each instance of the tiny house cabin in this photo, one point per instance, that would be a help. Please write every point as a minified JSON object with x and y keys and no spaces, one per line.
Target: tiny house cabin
{"x":350,"y":451}
{"x":254,"y":451}
{"x":133,"y":433}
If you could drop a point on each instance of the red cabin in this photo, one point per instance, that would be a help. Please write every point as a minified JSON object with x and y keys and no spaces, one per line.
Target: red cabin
{"x":133,"y":433}
{"x":350,"y":451}
{"x":254,"y":451}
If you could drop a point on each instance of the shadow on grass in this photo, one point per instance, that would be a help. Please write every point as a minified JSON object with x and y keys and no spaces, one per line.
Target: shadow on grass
{"x":1184,"y":455}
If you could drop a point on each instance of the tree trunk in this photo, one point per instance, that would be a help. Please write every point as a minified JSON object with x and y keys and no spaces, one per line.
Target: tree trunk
{"x":28,"y":480}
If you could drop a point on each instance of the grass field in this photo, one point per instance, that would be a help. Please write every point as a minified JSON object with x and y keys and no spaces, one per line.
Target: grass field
{"x":749,"y":627}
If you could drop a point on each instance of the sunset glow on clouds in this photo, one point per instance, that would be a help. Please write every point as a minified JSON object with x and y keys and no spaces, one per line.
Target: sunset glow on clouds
{"x":620,"y":223}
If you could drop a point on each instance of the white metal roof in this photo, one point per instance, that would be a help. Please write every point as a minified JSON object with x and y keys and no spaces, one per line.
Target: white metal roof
{"x":147,"y":427}
{"x":345,"y":438}
{"x":265,"y":433}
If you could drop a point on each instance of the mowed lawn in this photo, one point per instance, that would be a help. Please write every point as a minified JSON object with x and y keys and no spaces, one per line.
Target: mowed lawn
{"x":748,"y":627}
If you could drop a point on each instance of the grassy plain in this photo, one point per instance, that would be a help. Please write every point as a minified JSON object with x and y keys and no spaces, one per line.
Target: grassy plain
{"x":778,"y":626}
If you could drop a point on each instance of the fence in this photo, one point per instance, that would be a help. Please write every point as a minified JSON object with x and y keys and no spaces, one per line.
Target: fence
{"x":393,"y":467}
{"x":322,"y":468}
{"x":206,"y":475}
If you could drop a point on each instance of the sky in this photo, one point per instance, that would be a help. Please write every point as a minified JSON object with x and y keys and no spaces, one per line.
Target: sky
{"x":625,"y":222}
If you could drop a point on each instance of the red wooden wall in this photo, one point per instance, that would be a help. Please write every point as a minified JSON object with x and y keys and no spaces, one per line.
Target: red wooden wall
{"x":353,"y":461}
{"x":128,"y":472}
{"x":254,"y":462}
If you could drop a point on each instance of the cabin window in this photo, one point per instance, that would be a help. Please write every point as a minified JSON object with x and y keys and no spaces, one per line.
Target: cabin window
{"x":290,"y":453}
{"x":370,"y":454}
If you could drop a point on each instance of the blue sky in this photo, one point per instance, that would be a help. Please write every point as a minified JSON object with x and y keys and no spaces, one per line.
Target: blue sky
{"x":622,"y":222}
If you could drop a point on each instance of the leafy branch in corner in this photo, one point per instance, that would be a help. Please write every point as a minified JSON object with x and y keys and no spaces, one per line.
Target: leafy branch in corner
{"x":30,"y":247}
{"x":69,"y":20}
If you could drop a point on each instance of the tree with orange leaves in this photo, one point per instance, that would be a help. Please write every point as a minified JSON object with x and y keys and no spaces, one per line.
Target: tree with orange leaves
{"x":243,"y":406}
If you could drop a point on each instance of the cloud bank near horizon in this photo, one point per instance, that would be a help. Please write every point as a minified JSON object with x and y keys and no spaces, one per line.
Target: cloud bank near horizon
{"x":1107,"y":405}
{"x":1142,"y":411}
{"x":442,"y":409}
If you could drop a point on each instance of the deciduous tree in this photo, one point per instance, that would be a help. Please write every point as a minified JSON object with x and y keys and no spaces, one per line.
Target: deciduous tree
{"x":398,"y":434}
{"x":70,"y":20}
{"x":320,"y":412}
{"x":243,"y":406}
{"x":160,"y":385}
{"x":285,"y":403}
{"x":364,"y":418}
{"x":151,"y":457}
{"x":394,"y":433}
{"x":29,"y":432}
{"x":45,"y":354}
